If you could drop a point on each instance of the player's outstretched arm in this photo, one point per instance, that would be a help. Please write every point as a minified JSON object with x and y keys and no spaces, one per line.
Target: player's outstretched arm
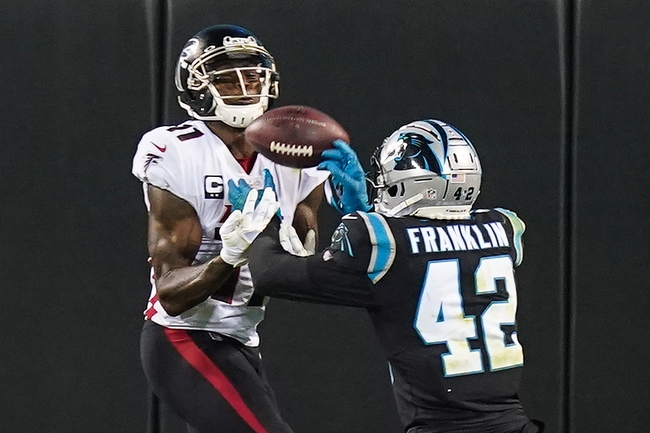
{"x":174,"y":239}
{"x":279,"y":272}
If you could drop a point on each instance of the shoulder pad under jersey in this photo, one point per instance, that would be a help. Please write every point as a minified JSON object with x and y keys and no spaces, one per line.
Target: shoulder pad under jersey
{"x":518,"y":228}
{"x":367,"y":239}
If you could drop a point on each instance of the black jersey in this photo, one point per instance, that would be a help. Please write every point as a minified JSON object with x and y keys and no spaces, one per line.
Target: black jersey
{"x":442,"y":297}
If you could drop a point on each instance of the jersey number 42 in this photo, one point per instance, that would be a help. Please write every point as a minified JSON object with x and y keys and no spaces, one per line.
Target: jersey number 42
{"x":440,"y":317}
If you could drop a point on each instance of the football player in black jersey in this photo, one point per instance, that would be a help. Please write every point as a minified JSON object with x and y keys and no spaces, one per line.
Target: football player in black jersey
{"x":436,"y":277}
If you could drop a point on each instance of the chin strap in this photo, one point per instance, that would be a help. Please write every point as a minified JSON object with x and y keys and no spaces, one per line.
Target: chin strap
{"x":239,"y":116}
{"x":438,"y":212}
{"x":403,"y":205}
{"x":430,"y":212}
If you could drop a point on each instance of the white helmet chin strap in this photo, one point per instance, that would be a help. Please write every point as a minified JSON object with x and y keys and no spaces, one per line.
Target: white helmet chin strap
{"x":430,"y":212}
{"x":239,"y":116}
{"x":403,"y":205}
{"x":443,"y":212}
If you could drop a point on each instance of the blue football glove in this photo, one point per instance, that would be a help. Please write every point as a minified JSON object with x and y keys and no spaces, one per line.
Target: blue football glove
{"x":237,"y":192}
{"x":348,"y":182}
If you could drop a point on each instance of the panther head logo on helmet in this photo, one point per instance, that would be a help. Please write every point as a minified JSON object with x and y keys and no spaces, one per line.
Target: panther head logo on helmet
{"x":416,"y":153}
{"x":426,"y":168}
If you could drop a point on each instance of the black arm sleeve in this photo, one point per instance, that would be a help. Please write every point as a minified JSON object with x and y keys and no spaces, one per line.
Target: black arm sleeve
{"x":277,"y":273}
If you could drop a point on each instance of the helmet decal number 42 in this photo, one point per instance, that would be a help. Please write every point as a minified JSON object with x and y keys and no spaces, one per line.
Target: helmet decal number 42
{"x":458,"y":194}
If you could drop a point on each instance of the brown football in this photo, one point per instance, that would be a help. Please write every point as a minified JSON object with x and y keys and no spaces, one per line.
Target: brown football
{"x":294,"y":135}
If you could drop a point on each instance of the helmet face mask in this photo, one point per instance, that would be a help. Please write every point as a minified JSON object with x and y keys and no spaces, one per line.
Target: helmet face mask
{"x":426,"y":168}
{"x":235,"y":83}
{"x":225,"y":74}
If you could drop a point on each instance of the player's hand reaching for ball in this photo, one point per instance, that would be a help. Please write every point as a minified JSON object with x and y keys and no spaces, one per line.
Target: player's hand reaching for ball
{"x":292,"y":244}
{"x":238,"y":192}
{"x":243,"y":226}
{"x":348,"y":182}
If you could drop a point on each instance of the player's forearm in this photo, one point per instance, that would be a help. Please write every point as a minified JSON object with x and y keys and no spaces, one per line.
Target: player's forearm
{"x":182,"y":288}
{"x":279,"y":274}
{"x":275,"y":272}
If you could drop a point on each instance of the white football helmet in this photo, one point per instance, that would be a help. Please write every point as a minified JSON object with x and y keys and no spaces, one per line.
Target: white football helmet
{"x":230,"y":53}
{"x":426,"y":168}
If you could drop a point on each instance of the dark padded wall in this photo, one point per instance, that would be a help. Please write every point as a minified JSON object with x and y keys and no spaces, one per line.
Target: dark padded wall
{"x":82,"y":81}
{"x":611,"y":379}
{"x":75,"y":97}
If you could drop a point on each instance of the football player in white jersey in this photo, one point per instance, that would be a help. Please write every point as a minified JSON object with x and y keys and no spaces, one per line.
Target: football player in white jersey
{"x":199,"y":343}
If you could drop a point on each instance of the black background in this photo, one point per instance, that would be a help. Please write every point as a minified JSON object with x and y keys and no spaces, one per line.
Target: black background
{"x":554,"y":95}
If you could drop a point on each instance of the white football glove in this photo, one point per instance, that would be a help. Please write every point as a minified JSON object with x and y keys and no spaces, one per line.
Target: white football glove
{"x":291,"y":242}
{"x":242,"y":227}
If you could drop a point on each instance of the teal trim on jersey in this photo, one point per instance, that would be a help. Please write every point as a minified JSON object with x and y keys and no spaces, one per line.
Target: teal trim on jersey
{"x":518,"y":227}
{"x":383,"y":245}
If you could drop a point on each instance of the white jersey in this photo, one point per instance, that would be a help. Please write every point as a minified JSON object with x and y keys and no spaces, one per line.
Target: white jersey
{"x":191,"y":162}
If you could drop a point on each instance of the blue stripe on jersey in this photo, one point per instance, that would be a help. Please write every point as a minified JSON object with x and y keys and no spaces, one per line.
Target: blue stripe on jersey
{"x":518,"y":228}
{"x":383,"y":245}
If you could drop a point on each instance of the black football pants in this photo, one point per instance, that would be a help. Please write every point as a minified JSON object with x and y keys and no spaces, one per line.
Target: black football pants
{"x":214,"y":383}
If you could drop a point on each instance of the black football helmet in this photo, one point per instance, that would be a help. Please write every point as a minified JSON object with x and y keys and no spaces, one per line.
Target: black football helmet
{"x":225,"y":51}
